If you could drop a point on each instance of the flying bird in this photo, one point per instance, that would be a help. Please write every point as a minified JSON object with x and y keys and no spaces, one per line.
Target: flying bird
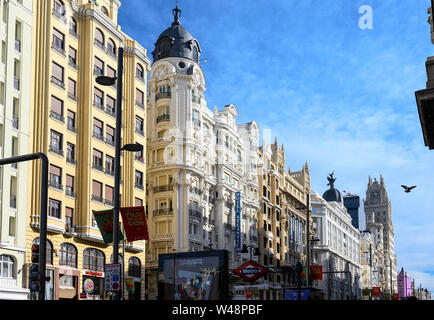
{"x":408,"y":189}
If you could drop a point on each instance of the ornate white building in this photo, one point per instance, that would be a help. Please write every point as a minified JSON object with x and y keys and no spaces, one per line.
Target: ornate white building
{"x":338,"y":251}
{"x":197,"y":160}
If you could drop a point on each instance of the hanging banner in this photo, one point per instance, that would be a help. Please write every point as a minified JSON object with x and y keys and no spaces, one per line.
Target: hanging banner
{"x":104,"y":220}
{"x":238,"y":221}
{"x":376,"y":291}
{"x":129,"y":284}
{"x":134,"y":220}
{"x":395,"y":296}
{"x":303,"y":273}
{"x":316,"y":272}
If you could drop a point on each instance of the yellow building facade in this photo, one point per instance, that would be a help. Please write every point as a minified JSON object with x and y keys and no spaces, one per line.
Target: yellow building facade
{"x":73,"y":122}
{"x":281,"y":221}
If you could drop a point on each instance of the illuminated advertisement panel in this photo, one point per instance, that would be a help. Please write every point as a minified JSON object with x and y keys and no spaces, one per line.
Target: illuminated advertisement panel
{"x":193,"y":275}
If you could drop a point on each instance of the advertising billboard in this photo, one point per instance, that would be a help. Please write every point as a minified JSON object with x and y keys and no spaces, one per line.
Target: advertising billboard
{"x":199,"y":275}
{"x":238,"y":221}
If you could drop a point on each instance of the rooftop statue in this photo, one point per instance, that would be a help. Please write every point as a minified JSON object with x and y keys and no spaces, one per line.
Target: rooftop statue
{"x":430,"y":20}
{"x":331,"y":180}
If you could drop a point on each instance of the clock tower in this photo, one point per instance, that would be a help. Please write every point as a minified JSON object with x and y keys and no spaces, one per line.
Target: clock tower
{"x":378,"y":213}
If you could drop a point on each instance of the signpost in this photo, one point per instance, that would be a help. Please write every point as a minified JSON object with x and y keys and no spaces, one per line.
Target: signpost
{"x":112,"y":277}
{"x":250,"y":271}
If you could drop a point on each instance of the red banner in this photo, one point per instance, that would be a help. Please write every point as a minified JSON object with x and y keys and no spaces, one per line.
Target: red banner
{"x":395,"y":296}
{"x":376,"y":291}
{"x":134,"y":220}
{"x":316,"y":272}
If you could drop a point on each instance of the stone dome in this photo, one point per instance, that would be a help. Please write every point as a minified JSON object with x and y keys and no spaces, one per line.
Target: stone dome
{"x":176,"y":41}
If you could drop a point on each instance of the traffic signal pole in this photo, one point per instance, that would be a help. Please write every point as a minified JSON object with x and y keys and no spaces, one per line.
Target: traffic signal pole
{"x":43,"y":213}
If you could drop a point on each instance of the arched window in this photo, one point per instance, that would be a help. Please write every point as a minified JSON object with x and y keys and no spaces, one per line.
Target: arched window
{"x":99,"y":38}
{"x":140,"y":73}
{"x":111,"y":47}
{"x":6,"y":267}
{"x":59,"y":7}
{"x":73,"y":26}
{"x":49,"y":250}
{"x":134,"y":267}
{"x":105,"y":11}
{"x":93,"y":259}
{"x":68,"y":255}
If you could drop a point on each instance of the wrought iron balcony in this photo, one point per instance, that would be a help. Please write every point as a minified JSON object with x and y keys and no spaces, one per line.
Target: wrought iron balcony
{"x":163,"y":95}
{"x":163,"y":117}
{"x":167,"y":187}
{"x":162,"y":212}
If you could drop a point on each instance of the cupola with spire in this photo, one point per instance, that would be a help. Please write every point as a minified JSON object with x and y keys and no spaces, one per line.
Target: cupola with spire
{"x":176,"y":41}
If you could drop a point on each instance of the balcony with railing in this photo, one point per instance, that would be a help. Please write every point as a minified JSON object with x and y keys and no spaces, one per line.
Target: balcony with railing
{"x":195,"y":190}
{"x":195,"y":98}
{"x":56,"y":150}
{"x":227,"y":226}
{"x":196,"y":122}
{"x":56,"y":184}
{"x":195,"y":213}
{"x":56,"y":116}
{"x":70,"y":192}
{"x":58,"y":82}
{"x":163,"y":118}
{"x":162,"y":212}
{"x":97,"y":198}
{"x":164,"y":188}
{"x":98,"y":135}
{"x":163,"y":95}
{"x":98,"y":166}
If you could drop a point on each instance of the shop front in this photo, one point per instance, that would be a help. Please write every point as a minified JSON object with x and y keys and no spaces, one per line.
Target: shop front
{"x":93,"y":285}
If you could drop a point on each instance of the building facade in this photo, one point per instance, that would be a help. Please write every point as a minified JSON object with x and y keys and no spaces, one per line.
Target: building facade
{"x":338,"y":251}
{"x":352,"y":203}
{"x":73,"y":122}
{"x":16,"y":49}
{"x":281,"y":220}
{"x":404,"y":285}
{"x":198,"y":161}
{"x":372,"y":258}
{"x":378,"y":213}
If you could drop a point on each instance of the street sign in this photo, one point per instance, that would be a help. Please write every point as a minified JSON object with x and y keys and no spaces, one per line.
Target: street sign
{"x":250,"y":271}
{"x":112,"y":277}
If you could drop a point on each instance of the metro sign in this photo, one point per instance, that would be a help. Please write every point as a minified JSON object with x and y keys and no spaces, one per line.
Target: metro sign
{"x":250,"y":271}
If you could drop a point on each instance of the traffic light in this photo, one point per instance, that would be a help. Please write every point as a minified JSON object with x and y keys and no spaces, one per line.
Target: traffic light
{"x":34,"y":269}
{"x":35,"y":253}
{"x":34,"y":277}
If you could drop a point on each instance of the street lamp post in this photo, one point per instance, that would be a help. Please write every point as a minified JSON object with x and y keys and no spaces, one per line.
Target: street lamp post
{"x":109,"y":81}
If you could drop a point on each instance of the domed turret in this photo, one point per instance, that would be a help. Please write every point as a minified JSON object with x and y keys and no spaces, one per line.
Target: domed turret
{"x":176,"y":42}
{"x":332,"y":194}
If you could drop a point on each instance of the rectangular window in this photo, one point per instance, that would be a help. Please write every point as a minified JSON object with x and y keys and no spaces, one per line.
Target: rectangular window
{"x":109,"y":195}
{"x":99,"y":99}
{"x":139,"y":179}
{"x":59,"y":41}
{"x":56,"y":109}
{"x":139,"y":125}
{"x":55,"y":177}
{"x":110,"y":135}
{"x":72,"y":89}
{"x":56,"y":142}
{"x":99,"y":66}
{"x":140,"y":98}
{"x":72,"y":57}
{"x":96,"y":191}
{"x":71,"y":121}
{"x":111,"y":72}
{"x":111,"y":104}
{"x":98,"y":131}
{"x":70,"y":185}
{"x":109,"y":165}
{"x":54,"y":208}
{"x":58,"y":75}
{"x":70,"y":153}
{"x":97,"y":160}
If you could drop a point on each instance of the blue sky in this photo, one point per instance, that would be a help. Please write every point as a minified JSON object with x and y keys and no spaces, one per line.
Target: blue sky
{"x":340,"y":97}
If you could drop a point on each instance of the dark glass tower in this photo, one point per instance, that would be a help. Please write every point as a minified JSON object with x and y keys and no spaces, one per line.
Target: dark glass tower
{"x":352,"y":203}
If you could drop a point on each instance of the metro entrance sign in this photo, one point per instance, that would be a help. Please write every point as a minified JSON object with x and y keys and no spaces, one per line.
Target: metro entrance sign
{"x":250,"y":271}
